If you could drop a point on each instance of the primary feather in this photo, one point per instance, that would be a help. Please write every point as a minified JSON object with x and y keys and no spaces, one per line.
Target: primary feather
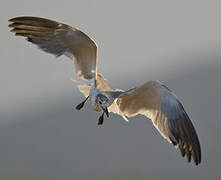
{"x":59,"y":39}
{"x":158,"y":103}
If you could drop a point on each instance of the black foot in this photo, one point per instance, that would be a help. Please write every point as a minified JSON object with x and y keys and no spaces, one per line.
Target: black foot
{"x":101,"y":119}
{"x":79,"y":106}
{"x":106,"y":111}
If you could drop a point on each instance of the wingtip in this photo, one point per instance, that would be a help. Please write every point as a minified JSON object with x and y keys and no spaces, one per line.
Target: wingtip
{"x":13,"y":31}
{"x":10,"y":25}
{"x":10,"y":20}
{"x":190,"y":155}
{"x":15,"y":18}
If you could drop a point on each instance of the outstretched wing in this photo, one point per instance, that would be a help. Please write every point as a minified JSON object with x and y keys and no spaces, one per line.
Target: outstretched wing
{"x":58,"y":39}
{"x":158,"y":103}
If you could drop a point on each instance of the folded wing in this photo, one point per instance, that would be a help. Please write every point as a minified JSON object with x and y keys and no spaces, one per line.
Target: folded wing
{"x":158,"y":103}
{"x":58,"y":39}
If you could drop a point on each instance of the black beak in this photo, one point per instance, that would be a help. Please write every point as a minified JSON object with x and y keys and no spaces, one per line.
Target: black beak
{"x":106,"y":111}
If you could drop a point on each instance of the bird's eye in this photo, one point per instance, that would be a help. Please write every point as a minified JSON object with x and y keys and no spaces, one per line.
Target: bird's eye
{"x":100,"y":102}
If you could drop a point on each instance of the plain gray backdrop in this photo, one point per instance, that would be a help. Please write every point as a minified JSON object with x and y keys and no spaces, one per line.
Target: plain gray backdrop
{"x":42,"y":136}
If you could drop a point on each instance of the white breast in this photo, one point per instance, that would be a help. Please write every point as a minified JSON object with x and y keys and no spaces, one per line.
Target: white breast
{"x":93,"y":94}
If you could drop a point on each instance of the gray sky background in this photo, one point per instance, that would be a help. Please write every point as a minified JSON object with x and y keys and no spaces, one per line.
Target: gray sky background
{"x":177,"y":42}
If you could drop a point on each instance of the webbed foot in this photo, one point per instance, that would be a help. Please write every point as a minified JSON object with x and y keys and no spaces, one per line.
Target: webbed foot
{"x":81,"y":105}
{"x":101,"y":119}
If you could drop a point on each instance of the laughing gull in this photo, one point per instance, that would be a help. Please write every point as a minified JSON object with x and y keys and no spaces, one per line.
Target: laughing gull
{"x":153,"y":99}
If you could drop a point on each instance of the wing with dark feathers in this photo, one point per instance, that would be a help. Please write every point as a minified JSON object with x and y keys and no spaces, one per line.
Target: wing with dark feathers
{"x":58,"y":39}
{"x":158,"y":103}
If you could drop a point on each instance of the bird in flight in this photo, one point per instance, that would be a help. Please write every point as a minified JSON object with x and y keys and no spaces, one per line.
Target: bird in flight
{"x":153,"y":99}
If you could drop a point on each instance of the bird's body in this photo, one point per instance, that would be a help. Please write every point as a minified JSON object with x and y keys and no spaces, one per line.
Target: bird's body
{"x":93,"y":96}
{"x":152,"y":99}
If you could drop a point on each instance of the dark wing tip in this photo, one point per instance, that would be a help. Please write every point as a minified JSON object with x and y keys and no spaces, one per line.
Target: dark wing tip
{"x":33,"y":27}
{"x":187,"y":139}
{"x":159,"y":104}
{"x":35,"y":21}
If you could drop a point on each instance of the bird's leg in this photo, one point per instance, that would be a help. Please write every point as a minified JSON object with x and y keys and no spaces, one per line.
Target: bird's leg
{"x":106,"y":111}
{"x":79,"y":106}
{"x":101,"y":119}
